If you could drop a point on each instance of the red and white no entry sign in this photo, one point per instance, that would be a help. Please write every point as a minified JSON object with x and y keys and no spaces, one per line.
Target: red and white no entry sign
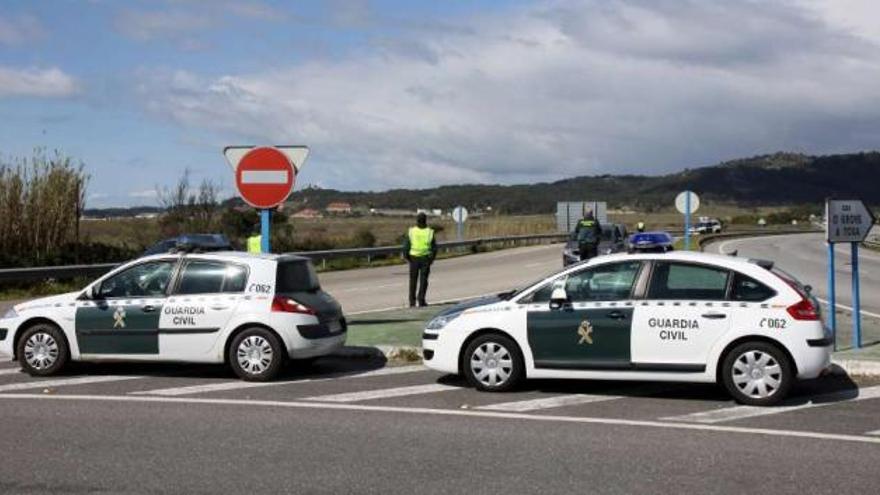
{"x":264,"y":176}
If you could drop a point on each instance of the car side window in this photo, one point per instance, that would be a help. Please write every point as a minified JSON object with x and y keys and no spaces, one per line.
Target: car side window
{"x":148,"y":279}
{"x":211,"y":277}
{"x":687,"y":281}
{"x":609,"y":282}
{"x":746,"y":288}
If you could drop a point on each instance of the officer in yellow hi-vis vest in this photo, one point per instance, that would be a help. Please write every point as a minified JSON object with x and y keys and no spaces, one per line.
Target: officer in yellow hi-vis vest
{"x":420,"y":249}
{"x":255,"y":241}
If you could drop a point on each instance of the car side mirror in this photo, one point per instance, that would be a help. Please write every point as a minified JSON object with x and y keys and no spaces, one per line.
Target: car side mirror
{"x":558,"y":298}
{"x":93,"y":293}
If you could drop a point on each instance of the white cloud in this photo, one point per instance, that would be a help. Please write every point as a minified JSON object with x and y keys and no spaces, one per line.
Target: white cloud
{"x":17,"y":30}
{"x":182,"y":22}
{"x":149,"y":25}
{"x":52,"y":82}
{"x":144,"y":194}
{"x":562,"y":89}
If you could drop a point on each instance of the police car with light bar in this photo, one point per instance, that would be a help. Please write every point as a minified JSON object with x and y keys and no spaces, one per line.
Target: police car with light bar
{"x":658,"y":242}
{"x":251,"y":311}
{"x":676,"y":316}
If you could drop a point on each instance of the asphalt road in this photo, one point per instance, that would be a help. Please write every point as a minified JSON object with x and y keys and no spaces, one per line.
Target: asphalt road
{"x":451,"y":279}
{"x":805,"y":256}
{"x":355,"y":427}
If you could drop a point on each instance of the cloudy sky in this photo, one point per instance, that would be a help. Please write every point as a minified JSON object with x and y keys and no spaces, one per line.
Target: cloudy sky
{"x":411,"y":94}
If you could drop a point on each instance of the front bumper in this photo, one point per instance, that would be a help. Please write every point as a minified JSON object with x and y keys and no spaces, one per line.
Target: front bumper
{"x":440,"y":350}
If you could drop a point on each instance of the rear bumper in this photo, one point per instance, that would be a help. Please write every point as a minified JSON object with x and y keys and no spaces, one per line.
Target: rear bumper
{"x":813,"y":357}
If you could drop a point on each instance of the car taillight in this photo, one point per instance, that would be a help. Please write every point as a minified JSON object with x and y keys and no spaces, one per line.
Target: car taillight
{"x":287,"y":305}
{"x":803,"y":310}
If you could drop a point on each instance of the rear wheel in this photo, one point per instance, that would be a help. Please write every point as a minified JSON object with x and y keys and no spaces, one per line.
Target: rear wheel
{"x":42,"y":350}
{"x":256,"y":355}
{"x":493,"y":363}
{"x":757,"y":374}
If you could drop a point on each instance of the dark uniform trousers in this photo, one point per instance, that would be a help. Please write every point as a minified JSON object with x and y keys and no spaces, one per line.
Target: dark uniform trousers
{"x":588,"y":250}
{"x":419,"y":269}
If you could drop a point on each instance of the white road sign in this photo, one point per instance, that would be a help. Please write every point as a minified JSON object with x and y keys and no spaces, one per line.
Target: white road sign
{"x":681,"y":202}
{"x":848,"y":220}
{"x":460,"y":214}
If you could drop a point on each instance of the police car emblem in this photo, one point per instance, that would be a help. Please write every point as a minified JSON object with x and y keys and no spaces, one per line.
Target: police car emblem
{"x":119,"y":318}
{"x":585,"y":331}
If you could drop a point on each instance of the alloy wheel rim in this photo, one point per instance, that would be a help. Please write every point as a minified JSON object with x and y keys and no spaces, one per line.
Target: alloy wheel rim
{"x":491,"y":364}
{"x":254,"y":355}
{"x":757,"y":374}
{"x":41,"y":351}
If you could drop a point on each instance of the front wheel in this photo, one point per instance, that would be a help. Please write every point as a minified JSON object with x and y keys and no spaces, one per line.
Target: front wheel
{"x":256,"y":355}
{"x":42,"y":350}
{"x":493,"y":363}
{"x":757,"y":374}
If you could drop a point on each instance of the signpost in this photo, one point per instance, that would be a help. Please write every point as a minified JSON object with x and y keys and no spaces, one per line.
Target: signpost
{"x":687,"y":203}
{"x":264,"y":178}
{"x":846,"y":220}
{"x":459,"y":214}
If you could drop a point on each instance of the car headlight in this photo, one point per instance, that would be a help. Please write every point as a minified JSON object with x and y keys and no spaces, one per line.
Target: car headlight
{"x":441,"y":321}
{"x":10,"y":313}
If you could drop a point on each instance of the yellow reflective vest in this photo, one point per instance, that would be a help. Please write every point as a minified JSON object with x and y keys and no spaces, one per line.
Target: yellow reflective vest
{"x":420,"y":241}
{"x":255,"y":244}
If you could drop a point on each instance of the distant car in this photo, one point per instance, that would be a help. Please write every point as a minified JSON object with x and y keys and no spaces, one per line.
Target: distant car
{"x":614,"y":240}
{"x":651,"y":242}
{"x":678,"y":317}
{"x":712,"y":226}
{"x":250,"y":311}
{"x":194,"y":242}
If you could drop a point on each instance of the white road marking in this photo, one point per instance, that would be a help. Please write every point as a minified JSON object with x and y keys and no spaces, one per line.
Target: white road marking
{"x":384,"y":393}
{"x":743,"y":412}
{"x":264,"y":176}
{"x":848,"y":308}
{"x":11,"y":371}
{"x":548,"y":403}
{"x":62,"y":382}
{"x":875,"y":432}
{"x":239,"y":384}
{"x":455,"y":412}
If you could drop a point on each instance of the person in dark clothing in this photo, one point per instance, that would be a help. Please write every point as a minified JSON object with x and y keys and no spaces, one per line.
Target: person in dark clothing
{"x":420,"y":249}
{"x":588,"y":234}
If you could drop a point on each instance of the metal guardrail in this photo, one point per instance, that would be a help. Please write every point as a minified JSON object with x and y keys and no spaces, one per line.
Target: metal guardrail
{"x":37,"y":273}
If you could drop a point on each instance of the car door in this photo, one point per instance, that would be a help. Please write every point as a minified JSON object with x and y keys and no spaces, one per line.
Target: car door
{"x":590,"y":331}
{"x":202,"y":302}
{"x":123,"y":317}
{"x":685,"y":311}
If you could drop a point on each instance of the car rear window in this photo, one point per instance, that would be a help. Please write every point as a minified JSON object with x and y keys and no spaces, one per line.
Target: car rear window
{"x":748,"y":289}
{"x":296,"y":276}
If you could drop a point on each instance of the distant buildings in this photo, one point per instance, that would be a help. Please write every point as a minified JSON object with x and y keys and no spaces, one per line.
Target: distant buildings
{"x":308,"y":213}
{"x":339,"y":208}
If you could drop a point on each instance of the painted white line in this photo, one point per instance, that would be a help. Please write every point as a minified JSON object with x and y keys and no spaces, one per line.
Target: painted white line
{"x":384,"y":393}
{"x":239,"y":384}
{"x":848,"y":308}
{"x":743,"y":412}
{"x":12,"y":371}
{"x":875,"y":432}
{"x":454,"y":412}
{"x":264,"y":176}
{"x":548,"y":403}
{"x":62,"y":382}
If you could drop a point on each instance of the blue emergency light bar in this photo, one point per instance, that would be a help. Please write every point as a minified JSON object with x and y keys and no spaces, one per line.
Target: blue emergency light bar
{"x":646,"y":240}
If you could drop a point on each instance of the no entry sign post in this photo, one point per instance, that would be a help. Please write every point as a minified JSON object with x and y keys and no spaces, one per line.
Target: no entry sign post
{"x":264,"y":178}
{"x":846,"y":220}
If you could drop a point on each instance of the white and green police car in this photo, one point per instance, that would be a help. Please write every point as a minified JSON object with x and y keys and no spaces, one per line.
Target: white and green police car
{"x":677,"y":316}
{"x":251,"y":311}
